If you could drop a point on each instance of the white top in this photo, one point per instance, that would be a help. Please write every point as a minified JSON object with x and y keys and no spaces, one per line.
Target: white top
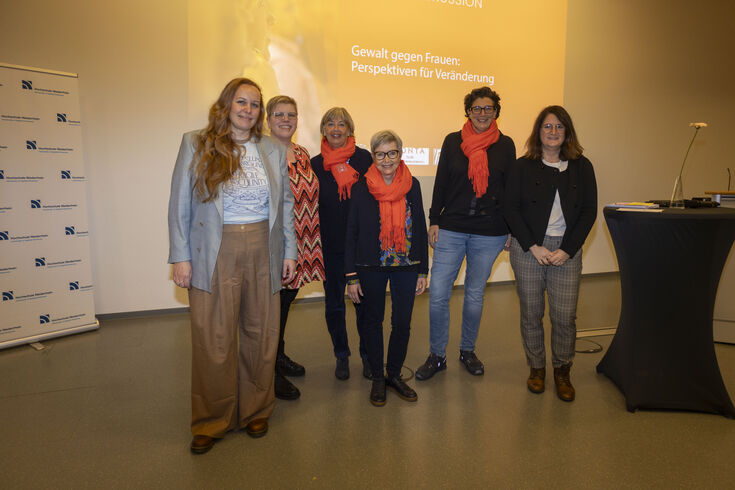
{"x":557,"y":226}
{"x":245,"y":199}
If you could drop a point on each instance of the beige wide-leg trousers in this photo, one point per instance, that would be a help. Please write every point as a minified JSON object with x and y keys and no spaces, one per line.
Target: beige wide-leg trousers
{"x":234,"y":335}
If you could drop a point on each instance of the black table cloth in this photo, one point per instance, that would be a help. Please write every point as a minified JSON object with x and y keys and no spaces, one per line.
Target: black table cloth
{"x":662,"y":355}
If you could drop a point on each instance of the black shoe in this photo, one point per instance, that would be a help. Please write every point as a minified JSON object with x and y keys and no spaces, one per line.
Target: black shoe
{"x":342,"y":371}
{"x":401,"y":388}
{"x":433,"y":365}
{"x":471,"y":362}
{"x":285,"y":390}
{"x":377,"y":393}
{"x":366,"y":371}
{"x":286,"y":367}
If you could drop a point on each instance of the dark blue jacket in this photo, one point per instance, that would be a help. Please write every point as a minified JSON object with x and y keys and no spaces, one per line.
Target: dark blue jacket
{"x":362,"y":245}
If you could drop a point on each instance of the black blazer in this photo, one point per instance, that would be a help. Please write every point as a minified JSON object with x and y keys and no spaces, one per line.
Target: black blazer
{"x":529,"y":197}
{"x":362,"y":245}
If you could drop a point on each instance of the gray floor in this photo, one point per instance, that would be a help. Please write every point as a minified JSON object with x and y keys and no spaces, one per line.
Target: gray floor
{"x":110,"y":409}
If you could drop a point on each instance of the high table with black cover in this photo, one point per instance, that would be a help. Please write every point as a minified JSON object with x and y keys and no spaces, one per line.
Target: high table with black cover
{"x":662,"y":355}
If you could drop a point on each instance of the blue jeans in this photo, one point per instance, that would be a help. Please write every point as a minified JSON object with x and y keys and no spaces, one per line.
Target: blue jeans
{"x":449,"y":251}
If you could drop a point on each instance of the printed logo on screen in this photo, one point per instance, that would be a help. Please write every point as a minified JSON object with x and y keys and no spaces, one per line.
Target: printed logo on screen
{"x":7,"y":270}
{"x":31,"y":295}
{"x":40,"y":261}
{"x":8,"y":296}
{"x":53,"y":320}
{"x":415,"y":156}
{"x":5,"y":209}
{"x":56,"y":262}
{"x":5,"y":235}
{"x":33,"y":145}
{"x":72,"y":231}
{"x":3,"y":147}
{"x":64,"y":118}
{"x":28,"y":85}
{"x":67,"y":175}
{"x":18,"y":118}
{"x":75,"y":286}
{"x":19,"y":178}
{"x":36,"y":204}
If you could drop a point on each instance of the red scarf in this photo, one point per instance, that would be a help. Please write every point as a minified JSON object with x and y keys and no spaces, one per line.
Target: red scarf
{"x":474,"y":146}
{"x":335,"y":160}
{"x":392,"y":201}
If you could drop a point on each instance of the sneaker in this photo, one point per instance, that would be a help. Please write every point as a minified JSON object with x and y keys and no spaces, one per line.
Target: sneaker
{"x":564,"y":389}
{"x":471,"y":362}
{"x":366,"y":371}
{"x":377,"y":393}
{"x":433,"y":365}
{"x":285,"y":390}
{"x":287,"y":367}
{"x":342,"y":371}
{"x":401,"y":388}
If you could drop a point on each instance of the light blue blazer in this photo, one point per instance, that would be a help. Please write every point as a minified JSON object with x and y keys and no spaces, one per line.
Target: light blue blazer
{"x":195,"y":227}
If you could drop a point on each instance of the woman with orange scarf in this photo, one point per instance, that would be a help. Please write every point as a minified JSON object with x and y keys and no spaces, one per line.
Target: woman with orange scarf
{"x":338,"y":167}
{"x":386,"y":242}
{"x":466,"y":221}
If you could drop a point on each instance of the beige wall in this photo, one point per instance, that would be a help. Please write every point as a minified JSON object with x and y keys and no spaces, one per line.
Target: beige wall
{"x":636,"y":74}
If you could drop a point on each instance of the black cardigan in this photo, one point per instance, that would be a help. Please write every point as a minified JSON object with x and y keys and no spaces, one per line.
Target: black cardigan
{"x":529,"y":197}
{"x":362,"y":245}
{"x":454,"y":206}
{"x":333,"y":212}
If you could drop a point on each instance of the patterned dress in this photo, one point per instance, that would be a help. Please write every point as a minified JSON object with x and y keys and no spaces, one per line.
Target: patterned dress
{"x":305,"y":188}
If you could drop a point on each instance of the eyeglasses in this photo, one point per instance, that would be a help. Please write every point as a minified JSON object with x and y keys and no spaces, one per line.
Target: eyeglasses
{"x":380,"y":155}
{"x":548,"y":127}
{"x":477,"y":110}
{"x":282,"y":115}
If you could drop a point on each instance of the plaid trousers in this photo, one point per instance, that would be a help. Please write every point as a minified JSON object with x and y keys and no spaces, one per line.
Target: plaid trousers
{"x":561,"y":283}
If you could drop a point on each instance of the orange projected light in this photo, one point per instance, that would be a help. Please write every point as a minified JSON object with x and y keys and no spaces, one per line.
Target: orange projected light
{"x":402,"y":65}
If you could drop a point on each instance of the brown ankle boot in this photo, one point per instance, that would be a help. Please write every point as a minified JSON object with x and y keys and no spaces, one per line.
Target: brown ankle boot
{"x":564,"y":388}
{"x":535,"y":381}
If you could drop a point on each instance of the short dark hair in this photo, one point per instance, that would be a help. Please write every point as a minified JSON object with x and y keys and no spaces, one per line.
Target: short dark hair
{"x":479,"y":93}
{"x":570,"y":149}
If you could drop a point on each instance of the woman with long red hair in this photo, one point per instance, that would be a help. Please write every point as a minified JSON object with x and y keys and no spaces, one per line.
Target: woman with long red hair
{"x":232,"y":243}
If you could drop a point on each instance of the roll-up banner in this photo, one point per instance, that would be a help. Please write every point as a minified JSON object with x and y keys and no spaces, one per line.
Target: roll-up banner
{"x":45,"y":269}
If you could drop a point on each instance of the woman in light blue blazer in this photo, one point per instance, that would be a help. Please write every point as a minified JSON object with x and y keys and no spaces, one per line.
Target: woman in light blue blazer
{"x":232,"y":243}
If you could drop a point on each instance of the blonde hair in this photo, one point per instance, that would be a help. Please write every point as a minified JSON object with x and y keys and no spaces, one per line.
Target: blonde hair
{"x":334,"y":114}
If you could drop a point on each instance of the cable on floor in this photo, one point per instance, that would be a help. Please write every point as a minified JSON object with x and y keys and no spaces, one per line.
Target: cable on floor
{"x":591,"y":350}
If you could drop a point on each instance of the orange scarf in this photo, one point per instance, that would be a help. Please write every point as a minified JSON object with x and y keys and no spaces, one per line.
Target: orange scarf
{"x":474,"y":146}
{"x":335,"y":160}
{"x":392,"y":201}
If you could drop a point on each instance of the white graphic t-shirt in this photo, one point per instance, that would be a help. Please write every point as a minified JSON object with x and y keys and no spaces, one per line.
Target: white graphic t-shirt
{"x":246,"y":197}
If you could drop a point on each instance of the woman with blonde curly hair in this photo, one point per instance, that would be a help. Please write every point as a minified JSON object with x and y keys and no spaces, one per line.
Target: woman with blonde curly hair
{"x":232,"y":244}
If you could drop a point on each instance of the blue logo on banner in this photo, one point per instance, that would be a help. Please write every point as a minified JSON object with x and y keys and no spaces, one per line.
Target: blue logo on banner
{"x":74,"y":286}
{"x":44,"y":318}
{"x":60,"y":117}
{"x":7,"y":295}
{"x":4,"y":235}
{"x":35,"y":203}
{"x":40,"y":261}
{"x":2,"y":174}
{"x":27,"y":84}
{"x":66,"y":174}
{"x":69,"y":230}
{"x":31,"y":145}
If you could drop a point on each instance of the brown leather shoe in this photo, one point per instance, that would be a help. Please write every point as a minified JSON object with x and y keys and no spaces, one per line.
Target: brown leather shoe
{"x":535,"y":381}
{"x":257,"y":427}
{"x":564,"y":388}
{"x":201,"y":444}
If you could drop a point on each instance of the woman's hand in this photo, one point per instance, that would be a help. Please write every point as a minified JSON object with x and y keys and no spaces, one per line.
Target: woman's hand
{"x":182,"y":274}
{"x":289,"y":271}
{"x":354,"y":291}
{"x":558,"y":257}
{"x":420,"y":285}
{"x":541,"y":254}
{"x":433,"y":235}
{"x":506,"y":247}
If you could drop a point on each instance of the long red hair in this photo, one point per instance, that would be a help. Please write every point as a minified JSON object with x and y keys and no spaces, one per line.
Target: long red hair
{"x":217,"y":156}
